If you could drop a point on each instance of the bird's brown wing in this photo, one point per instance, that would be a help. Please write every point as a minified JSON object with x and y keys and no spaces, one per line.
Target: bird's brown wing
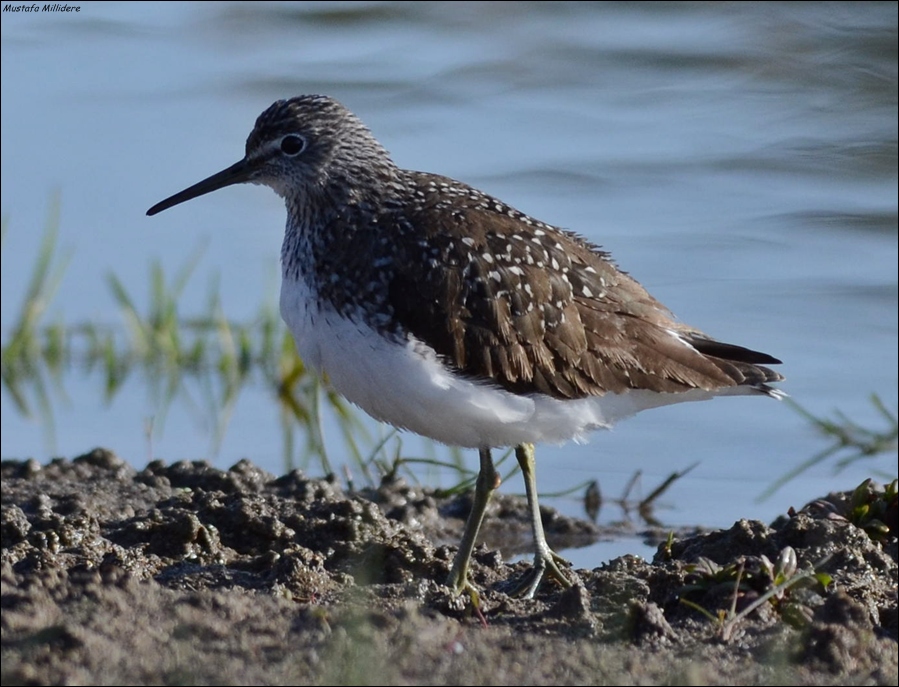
{"x":535,"y":309}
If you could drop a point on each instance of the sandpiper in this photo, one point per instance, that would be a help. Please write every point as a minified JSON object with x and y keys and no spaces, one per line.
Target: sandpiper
{"x":442,"y":310}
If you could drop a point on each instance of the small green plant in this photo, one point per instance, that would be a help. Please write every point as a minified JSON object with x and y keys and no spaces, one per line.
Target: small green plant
{"x":871,"y":506}
{"x":750,"y":582}
{"x":874,"y":508}
{"x":32,"y":357}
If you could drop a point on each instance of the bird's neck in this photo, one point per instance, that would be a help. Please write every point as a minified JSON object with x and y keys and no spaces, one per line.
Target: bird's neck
{"x":336,"y":223}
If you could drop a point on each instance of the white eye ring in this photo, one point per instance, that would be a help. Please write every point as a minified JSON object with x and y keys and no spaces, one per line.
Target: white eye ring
{"x":292,"y":145}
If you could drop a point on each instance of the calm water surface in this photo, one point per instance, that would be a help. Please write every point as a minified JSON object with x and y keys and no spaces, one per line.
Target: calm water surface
{"x":738,"y":159}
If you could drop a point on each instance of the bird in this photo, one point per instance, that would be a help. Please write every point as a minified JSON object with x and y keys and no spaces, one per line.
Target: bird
{"x":442,"y":310}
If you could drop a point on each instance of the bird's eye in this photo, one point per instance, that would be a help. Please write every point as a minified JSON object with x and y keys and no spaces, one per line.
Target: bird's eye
{"x":292,"y":145}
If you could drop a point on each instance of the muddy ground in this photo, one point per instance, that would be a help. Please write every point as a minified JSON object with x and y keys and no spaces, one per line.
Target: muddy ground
{"x":186,"y":574}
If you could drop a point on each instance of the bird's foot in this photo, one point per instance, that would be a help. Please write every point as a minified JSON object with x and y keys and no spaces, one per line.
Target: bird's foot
{"x":460,"y":584}
{"x":547,"y":564}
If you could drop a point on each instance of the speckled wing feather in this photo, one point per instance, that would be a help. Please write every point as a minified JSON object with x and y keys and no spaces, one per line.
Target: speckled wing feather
{"x":504,"y":297}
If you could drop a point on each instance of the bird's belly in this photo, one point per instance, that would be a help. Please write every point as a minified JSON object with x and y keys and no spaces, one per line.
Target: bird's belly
{"x":404,"y":382}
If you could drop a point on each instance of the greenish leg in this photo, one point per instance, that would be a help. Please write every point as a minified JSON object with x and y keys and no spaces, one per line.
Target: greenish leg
{"x":546,"y":561}
{"x":488,"y":481}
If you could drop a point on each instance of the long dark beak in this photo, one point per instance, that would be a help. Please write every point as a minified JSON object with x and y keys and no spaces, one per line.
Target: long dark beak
{"x":235,"y":174}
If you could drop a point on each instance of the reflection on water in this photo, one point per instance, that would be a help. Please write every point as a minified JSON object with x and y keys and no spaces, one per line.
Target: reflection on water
{"x":739,"y":159}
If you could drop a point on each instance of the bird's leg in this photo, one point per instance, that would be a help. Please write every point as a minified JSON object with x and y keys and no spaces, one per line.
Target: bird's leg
{"x":487,"y":483}
{"x":546,"y":561}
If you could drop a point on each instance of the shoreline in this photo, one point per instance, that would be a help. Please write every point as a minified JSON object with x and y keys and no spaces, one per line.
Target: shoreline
{"x":186,"y":573}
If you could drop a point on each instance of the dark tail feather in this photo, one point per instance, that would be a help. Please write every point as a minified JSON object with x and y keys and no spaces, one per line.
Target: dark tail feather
{"x":737,"y":354}
{"x":743,"y":365}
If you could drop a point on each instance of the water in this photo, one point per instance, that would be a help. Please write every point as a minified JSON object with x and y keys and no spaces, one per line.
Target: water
{"x":738,"y":159}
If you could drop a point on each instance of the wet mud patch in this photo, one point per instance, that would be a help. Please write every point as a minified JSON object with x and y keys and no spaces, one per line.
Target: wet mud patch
{"x":185,"y":573}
